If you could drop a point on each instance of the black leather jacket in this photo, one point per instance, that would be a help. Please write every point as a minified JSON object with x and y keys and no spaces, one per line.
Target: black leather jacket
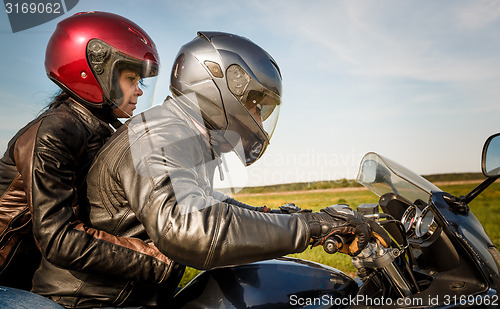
{"x":44,"y":169}
{"x":153,"y":180}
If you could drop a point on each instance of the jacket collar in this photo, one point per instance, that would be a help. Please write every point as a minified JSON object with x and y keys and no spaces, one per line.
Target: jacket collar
{"x":92,"y":122}
{"x":193,"y":119}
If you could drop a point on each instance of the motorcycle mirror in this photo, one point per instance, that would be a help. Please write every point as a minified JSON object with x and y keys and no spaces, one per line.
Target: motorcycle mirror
{"x":490,"y":162}
{"x":490,"y":165}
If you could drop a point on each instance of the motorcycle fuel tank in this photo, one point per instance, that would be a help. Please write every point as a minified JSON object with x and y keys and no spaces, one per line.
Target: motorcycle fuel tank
{"x":279,"y":283}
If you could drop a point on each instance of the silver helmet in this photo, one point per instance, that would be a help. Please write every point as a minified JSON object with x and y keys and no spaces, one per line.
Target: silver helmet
{"x":236,"y":85}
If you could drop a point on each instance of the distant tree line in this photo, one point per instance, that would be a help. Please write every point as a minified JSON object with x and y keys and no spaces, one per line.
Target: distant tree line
{"x":346,"y":183}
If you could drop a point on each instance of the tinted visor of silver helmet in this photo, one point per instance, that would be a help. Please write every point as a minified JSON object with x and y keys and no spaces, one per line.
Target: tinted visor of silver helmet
{"x":262,"y":104}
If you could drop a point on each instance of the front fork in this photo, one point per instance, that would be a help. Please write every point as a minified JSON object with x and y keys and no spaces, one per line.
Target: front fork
{"x":375,"y":256}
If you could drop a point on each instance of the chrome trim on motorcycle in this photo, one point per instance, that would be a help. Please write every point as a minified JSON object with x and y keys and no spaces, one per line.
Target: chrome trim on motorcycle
{"x":379,"y":257}
{"x":410,"y":218}
{"x":426,"y":224}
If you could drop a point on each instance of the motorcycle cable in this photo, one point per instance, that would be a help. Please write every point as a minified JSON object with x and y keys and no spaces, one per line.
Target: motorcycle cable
{"x":390,"y":219}
{"x":404,"y":247}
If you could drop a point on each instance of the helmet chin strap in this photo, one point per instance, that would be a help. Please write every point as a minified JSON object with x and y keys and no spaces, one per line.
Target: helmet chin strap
{"x":118,"y":107}
{"x":112,"y":104}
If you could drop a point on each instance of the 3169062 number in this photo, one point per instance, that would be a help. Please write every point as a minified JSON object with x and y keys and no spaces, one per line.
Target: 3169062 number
{"x":33,"y":8}
{"x":471,"y":300}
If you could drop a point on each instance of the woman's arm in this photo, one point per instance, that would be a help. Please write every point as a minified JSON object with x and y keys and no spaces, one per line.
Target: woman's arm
{"x":46,"y":156}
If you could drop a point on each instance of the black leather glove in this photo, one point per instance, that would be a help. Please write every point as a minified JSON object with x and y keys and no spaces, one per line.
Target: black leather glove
{"x":341,"y":221}
{"x":289,"y":208}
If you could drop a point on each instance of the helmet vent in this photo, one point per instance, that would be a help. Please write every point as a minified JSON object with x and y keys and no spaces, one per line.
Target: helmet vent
{"x":214,"y":68}
{"x":237,"y":79}
{"x":98,"y":53}
{"x":139,"y":35}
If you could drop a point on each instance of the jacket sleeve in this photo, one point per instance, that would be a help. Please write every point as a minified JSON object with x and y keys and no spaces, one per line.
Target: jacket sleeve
{"x":186,"y":222}
{"x":46,"y":156}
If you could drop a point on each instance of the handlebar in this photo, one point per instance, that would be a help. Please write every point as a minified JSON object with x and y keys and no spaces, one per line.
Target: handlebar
{"x":334,"y":243}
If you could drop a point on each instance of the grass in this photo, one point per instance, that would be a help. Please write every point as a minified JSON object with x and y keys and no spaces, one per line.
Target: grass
{"x":486,"y":208}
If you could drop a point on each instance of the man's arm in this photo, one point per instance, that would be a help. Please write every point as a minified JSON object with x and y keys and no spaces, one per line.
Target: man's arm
{"x":186,"y":222}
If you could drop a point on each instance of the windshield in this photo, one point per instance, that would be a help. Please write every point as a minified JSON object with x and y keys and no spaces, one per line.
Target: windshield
{"x":381,"y":175}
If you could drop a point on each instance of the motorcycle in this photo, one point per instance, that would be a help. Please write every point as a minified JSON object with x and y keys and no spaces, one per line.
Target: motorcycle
{"x":441,"y":256}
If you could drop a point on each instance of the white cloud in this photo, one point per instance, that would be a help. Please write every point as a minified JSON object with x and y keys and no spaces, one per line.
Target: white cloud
{"x":478,"y":14}
{"x":392,"y":39}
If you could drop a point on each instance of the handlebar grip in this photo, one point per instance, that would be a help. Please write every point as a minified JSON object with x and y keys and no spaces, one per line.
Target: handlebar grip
{"x":332,"y":244}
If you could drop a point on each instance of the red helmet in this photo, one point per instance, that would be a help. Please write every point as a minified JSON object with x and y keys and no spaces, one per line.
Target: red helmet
{"x":86,"y":49}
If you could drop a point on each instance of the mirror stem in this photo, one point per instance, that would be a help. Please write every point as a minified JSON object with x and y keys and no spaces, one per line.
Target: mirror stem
{"x":477,"y":190}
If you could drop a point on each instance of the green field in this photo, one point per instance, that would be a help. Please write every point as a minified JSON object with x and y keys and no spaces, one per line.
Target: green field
{"x":486,"y":208}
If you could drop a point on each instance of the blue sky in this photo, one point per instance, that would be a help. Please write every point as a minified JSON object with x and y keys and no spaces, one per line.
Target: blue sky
{"x":416,"y":81}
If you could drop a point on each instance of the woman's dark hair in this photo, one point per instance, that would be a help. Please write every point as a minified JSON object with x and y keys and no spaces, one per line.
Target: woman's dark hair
{"x":59,"y":99}
{"x":105,"y":114}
